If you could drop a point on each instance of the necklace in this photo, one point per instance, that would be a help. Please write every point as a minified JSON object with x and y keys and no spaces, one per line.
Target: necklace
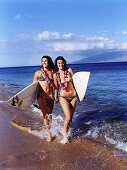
{"x":65,"y":84}
{"x":47,"y":77}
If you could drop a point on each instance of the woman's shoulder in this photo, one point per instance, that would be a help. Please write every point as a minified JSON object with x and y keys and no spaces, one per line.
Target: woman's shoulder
{"x":37,"y":72}
{"x":70,"y":71}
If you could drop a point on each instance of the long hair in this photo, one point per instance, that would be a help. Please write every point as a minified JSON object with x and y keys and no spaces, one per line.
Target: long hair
{"x":50,"y":62}
{"x":64,"y":61}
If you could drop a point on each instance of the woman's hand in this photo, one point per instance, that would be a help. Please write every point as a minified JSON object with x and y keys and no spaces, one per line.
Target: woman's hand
{"x":56,"y":99}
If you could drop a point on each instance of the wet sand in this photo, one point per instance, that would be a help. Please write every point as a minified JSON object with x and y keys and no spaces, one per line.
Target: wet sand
{"x":21,"y":150}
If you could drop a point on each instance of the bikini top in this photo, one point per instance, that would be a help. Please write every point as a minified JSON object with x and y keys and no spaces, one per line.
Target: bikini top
{"x":64,"y":84}
{"x":41,"y":78}
{"x":46,"y":77}
{"x":66,"y":76}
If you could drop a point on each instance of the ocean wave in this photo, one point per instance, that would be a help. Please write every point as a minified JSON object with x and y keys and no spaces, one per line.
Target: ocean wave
{"x":110,"y":133}
{"x":118,"y":144}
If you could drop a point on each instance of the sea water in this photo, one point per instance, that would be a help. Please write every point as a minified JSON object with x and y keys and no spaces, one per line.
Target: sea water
{"x":102,"y":116}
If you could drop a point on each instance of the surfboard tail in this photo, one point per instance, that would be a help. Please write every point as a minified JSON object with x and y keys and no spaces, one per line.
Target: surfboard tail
{"x":80,"y":80}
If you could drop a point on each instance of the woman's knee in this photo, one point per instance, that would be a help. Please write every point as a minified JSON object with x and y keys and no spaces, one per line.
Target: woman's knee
{"x":47,"y":116}
{"x":68,"y":118}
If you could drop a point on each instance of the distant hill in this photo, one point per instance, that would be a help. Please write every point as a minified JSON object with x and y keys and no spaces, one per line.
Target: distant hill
{"x":111,"y":56}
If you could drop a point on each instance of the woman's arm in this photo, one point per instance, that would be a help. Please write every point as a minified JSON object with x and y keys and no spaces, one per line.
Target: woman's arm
{"x":56,"y":88}
{"x":71,"y":71}
{"x":35,"y":77}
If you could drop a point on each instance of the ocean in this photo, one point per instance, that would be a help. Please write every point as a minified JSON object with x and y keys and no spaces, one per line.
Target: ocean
{"x":101,"y":117}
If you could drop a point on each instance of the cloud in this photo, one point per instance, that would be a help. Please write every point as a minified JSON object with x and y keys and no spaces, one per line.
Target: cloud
{"x":23,"y":36}
{"x":77,"y":44}
{"x":124,"y":32}
{"x":43,"y":16}
{"x":67,"y":36}
{"x":17,"y":17}
{"x":36,"y":16}
{"x":45,"y":35}
{"x":69,"y":46}
{"x":123,"y":46}
{"x":32,"y":16}
{"x":116,"y":32}
{"x":69,"y":42}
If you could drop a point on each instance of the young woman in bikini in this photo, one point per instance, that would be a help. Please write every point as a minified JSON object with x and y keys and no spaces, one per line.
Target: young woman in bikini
{"x":47,"y":81}
{"x":68,"y":97}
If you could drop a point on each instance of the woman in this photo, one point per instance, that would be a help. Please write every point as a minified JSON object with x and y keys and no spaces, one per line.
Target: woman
{"x":68,"y":97}
{"x":45,"y":96}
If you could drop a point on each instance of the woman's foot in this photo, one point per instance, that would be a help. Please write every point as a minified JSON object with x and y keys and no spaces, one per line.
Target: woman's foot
{"x":64,"y":141}
{"x":49,"y":139}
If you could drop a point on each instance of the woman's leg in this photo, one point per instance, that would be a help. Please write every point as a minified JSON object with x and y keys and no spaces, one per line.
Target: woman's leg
{"x":47,"y":122}
{"x":68,"y":109}
{"x":72,"y":107}
{"x":46,"y":108}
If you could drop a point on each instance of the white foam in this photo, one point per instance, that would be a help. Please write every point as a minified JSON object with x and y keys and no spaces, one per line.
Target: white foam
{"x":118,"y":144}
{"x":57,"y":125}
{"x":2,"y":101}
{"x":42,"y":134}
{"x":88,"y":123}
{"x":57,"y":128}
{"x":4,"y":86}
{"x":36,"y":110}
{"x":106,"y":131}
{"x":93,"y":132}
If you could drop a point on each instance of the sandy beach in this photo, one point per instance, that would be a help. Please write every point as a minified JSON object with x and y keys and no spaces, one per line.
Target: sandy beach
{"x":21,"y":150}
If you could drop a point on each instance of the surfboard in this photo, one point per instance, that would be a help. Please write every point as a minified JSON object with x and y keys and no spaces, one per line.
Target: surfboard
{"x":80,"y":80}
{"x":25,"y":97}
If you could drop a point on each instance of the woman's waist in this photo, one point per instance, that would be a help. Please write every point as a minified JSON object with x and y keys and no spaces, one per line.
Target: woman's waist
{"x":45,"y":90}
{"x":67,"y":93}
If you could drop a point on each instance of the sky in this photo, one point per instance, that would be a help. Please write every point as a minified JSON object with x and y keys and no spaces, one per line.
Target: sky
{"x":75,"y":29}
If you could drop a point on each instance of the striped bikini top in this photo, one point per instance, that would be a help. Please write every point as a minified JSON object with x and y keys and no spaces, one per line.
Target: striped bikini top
{"x":41,"y":78}
{"x":46,"y":78}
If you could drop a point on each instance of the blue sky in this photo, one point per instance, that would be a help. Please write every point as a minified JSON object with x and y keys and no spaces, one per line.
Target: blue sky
{"x":75,"y":29}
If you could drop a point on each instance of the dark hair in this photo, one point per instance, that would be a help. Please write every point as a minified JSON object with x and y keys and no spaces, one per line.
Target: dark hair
{"x":64,"y":61}
{"x":50,"y":62}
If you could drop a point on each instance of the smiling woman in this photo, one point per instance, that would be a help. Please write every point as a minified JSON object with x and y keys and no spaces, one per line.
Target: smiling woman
{"x":68,"y":97}
{"x":45,"y":96}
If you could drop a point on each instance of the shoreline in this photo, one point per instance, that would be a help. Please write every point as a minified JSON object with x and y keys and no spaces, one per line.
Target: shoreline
{"x":20,"y":149}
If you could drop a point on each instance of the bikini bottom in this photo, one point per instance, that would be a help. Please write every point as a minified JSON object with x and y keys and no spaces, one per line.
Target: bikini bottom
{"x":69,"y":99}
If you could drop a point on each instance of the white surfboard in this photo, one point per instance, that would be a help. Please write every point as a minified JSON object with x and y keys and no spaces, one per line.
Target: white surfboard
{"x":25,"y":97}
{"x":80,"y":80}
